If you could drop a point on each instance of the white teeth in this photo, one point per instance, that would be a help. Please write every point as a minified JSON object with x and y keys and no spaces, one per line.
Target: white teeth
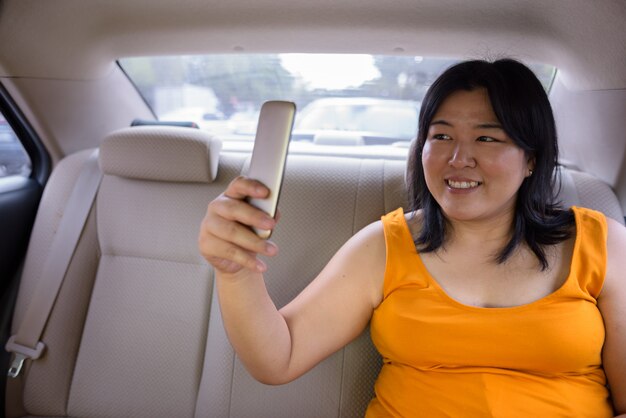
{"x":462,"y":184}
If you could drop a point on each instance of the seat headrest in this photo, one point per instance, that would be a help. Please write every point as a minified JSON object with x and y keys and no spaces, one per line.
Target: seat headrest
{"x":161,"y":153}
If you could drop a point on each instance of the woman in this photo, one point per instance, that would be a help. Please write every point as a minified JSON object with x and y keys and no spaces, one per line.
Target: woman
{"x":484,"y":300}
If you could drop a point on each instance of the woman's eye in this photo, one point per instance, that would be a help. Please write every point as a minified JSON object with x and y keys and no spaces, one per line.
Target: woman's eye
{"x":441,"y":137}
{"x":486,"y":139}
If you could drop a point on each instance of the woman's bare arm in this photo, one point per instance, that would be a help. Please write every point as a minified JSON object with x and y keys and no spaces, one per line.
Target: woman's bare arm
{"x":278,"y":346}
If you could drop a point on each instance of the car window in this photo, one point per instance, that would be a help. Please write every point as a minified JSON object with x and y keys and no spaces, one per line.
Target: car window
{"x":393,"y":119}
{"x":374,"y":98}
{"x":14,"y":160}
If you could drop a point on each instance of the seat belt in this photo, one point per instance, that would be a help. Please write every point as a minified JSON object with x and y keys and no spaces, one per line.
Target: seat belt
{"x":26,"y":343}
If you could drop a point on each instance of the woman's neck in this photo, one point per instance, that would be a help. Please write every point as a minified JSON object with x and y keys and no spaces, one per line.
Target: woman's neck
{"x":488,"y":236}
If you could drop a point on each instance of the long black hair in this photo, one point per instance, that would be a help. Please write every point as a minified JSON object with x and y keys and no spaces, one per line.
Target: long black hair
{"x":523,"y":109}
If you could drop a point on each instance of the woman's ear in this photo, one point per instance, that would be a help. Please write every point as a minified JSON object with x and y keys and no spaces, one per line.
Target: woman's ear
{"x":530,"y":165}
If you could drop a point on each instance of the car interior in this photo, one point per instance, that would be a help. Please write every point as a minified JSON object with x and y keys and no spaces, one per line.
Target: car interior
{"x":99,"y":228}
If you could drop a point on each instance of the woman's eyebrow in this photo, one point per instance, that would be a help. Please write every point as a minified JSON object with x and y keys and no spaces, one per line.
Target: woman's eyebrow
{"x":491,"y":125}
{"x":440,"y":122}
{"x":486,"y":125}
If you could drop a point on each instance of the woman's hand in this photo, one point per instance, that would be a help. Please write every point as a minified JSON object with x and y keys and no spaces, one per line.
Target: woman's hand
{"x":225,"y":238}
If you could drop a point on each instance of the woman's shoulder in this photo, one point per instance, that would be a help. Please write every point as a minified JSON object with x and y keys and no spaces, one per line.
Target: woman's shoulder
{"x":371,"y":237}
{"x":400,"y":218}
{"x":587,"y":213}
{"x":414,"y":221}
{"x":612,"y":305}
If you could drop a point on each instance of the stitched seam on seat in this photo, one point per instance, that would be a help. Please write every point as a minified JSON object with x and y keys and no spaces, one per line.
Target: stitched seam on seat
{"x":343,"y":351}
{"x":205,"y":339}
{"x":383,"y":181}
{"x":356,"y":198}
{"x":232,"y":383}
{"x":139,"y":257}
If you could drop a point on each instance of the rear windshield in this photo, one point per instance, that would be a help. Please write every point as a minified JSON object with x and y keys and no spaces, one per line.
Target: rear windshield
{"x":362,"y":100}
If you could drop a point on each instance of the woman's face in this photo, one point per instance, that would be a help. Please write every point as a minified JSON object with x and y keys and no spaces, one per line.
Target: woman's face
{"x":472,"y":168}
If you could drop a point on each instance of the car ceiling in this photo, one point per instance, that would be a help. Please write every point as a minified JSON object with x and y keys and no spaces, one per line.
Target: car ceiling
{"x":78,"y":39}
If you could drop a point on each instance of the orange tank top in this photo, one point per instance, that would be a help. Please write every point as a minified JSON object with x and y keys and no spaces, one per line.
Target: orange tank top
{"x":442,"y":358}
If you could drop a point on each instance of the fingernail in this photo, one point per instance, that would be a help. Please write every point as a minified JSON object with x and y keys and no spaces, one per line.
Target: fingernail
{"x":270,"y":248}
{"x":260,"y":266}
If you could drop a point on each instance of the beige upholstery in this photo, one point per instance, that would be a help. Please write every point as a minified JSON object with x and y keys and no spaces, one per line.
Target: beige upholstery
{"x":48,"y":383}
{"x":583,"y":189}
{"x":167,"y":154}
{"x":137,"y":332}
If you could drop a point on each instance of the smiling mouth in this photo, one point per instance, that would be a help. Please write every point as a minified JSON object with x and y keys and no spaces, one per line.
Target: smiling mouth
{"x":462,"y":184}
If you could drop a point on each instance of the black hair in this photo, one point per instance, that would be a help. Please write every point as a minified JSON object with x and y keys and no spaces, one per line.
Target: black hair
{"x":523,"y":109}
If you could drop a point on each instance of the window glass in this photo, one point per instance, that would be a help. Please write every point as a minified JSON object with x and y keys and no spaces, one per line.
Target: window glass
{"x":374,"y":98}
{"x":14,"y":160}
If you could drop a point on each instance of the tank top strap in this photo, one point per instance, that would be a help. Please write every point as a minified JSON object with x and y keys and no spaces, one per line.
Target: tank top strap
{"x":588,"y":266}
{"x":403,"y":265}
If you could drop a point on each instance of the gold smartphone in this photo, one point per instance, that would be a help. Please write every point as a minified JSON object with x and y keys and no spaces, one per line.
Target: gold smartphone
{"x":269,"y":154}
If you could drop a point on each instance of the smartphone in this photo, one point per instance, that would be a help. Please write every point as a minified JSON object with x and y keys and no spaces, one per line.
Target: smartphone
{"x":269,"y":154}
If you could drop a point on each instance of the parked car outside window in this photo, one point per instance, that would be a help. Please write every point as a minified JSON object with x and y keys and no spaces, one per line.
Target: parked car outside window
{"x":343,"y":100}
{"x":381,"y":121}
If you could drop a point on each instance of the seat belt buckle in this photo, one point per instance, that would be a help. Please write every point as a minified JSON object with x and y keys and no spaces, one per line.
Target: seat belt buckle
{"x":16,"y":365}
{"x":20,"y":354}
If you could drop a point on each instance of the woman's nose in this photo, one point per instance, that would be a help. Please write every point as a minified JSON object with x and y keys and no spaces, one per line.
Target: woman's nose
{"x":462,"y":156}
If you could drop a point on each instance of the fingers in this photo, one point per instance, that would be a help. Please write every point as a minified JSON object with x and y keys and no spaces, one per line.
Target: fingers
{"x":242,"y":187}
{"x":240,"y":236}
{"x":230,"y":246}
{"x":241,"y":212}
{"x":226,"y":239}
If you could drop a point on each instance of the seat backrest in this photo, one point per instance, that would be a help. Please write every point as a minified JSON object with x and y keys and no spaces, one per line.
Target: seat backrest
{"x":137,"y":292}
{"x":137,"y":331}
